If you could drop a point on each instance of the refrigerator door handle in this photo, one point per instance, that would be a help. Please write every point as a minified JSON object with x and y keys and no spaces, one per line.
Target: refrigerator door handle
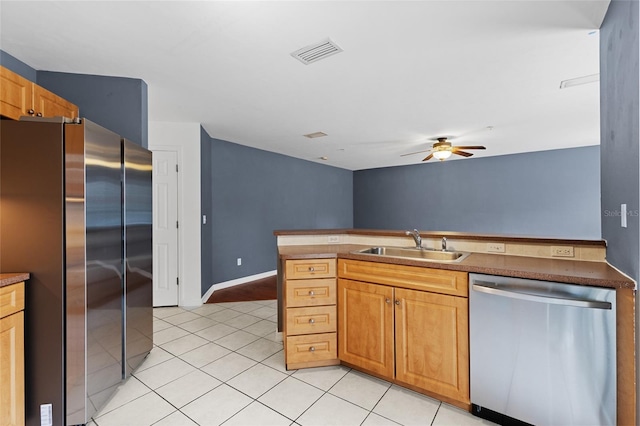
{"x":492,"y":288}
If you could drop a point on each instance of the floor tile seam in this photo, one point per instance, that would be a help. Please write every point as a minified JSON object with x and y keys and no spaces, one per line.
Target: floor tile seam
{"x":194,"y":348}
{"x":135,"y":374}
{"x":384,"y":417}
{"x":162,"y":318}
{"x":122,"y":405}
{"x":312,"y":385}
{"x":368,"y":409}
{"x":195,"y":399}
{"x":272,"y":409}
{"x":250,"y":343}
{"x":435,"y":416}
{"x":262,"y":394}
{"x":310,"y":405}
{"x":195,"y":331}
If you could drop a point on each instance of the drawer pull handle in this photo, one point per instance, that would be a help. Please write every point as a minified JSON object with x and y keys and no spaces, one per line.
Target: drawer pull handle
{"x":312,"y":349}
{"x":312,"y":321}
{"x":311,"y":269}
{"x":312,"y":293}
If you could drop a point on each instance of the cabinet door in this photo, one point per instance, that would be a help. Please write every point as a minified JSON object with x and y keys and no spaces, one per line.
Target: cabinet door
{"x":432,"y":342}
{"x":16,"y":94}
{"x":48,"y":104}
{"x":365,"y":321}
{"x":12,"y":369}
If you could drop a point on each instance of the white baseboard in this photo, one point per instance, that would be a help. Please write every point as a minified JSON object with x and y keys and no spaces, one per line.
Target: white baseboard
{"x":235,"y":282}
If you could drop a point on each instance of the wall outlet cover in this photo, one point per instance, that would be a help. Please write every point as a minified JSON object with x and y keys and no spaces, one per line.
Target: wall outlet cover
{"x":495,"y":247}
{"x":239,"y":261}
{"x":562,"y":251}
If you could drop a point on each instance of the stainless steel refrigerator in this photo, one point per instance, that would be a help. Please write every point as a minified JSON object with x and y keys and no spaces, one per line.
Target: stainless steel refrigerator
{"x":63,"y":192}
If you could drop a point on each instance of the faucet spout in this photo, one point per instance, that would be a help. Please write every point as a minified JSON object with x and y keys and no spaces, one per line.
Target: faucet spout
{"x":416,"y":237}
{"x":444,"y":243}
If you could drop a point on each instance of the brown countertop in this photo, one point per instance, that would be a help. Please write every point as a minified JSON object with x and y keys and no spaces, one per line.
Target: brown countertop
{"x":448,"y":234}
{"x":8,"y":279}
{"x":598,"y":274}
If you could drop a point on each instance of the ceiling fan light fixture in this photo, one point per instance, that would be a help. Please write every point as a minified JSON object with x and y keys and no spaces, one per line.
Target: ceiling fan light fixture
{"x":442,"y":155}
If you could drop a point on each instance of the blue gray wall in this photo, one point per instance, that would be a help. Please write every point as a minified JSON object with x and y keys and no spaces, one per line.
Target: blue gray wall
{"x":620,"y":138}
{"x":550,"y":193}
{"x":620,"y":141}
{"x":255,"y":192}
{"x":17,"y":66}
{"x":117,"y":103}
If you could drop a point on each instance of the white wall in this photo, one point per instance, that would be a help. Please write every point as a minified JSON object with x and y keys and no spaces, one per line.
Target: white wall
{"x":184,"y":138}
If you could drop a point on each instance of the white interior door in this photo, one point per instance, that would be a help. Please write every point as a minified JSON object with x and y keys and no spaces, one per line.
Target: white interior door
{"x":165,"y":228}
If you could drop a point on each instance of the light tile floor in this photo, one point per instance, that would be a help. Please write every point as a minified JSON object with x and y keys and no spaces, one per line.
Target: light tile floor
{"x":223,"y":364}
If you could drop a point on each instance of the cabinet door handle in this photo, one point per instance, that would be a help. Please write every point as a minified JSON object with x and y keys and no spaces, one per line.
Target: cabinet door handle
{"x":312,"y":349}
{"x":387,"y":300}
{"x":398,"y":302}
{"x":312,"y":293}
{"x":39,"y":114}
{"x":30,"y":111}
{"x":312,"y":321}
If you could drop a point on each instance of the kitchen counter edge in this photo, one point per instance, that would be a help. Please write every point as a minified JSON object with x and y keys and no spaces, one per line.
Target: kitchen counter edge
{"x":12,"y":278}
{"x":599,"y":274}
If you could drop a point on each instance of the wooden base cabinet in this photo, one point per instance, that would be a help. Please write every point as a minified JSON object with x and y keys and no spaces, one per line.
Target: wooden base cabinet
{"x":12,"y":355}
{"x":310,"y":322}
{"x":411,"y":337}
{"x":432,"y":342}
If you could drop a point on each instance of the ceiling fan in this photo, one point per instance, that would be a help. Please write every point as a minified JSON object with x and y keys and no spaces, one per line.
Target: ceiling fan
{"x":443,"y":150}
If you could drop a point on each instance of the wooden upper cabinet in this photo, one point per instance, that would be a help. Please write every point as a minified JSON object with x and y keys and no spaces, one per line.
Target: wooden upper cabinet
{"x":19,"y":96}
{"x":16,"y":94}
{"x":50,"y":105}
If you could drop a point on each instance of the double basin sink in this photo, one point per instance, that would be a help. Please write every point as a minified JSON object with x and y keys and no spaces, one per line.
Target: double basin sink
{"x":415,"y":254}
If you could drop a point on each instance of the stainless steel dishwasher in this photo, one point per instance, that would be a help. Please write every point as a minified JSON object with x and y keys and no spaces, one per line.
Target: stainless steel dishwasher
{"x":542,"y":353}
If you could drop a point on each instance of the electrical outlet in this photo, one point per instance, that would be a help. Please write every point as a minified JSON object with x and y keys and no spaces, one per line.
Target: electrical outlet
{"x":333,"y":239}
{"x":239,"y":261}
{"x":562,"y":251}
{"x":495,"y":247}
{"x":46,"y":414}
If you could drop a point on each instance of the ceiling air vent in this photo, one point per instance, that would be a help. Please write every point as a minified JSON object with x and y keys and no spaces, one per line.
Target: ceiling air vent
{"x":315,"y":52}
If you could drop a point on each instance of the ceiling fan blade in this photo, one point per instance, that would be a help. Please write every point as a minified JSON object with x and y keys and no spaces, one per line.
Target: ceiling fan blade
{"x":464,"y":154}
{"x":469,"y":147}
{"x":428,"y":157}
{"x":417,"y":152}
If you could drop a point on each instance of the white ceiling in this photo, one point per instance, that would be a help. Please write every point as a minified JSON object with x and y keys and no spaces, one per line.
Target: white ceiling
{"x":410,"y":70}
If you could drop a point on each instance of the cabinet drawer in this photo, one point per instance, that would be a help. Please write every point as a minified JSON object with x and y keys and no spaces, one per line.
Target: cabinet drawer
{"x":311,"y":348}
{"x":455,"y":283}
{"x":310,"y":268}
{"x":320,"y":319}
{"x":11,"y":299}
{"x":311,"y":292}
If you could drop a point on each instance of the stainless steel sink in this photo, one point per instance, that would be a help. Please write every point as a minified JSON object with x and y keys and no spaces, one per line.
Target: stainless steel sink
{"x":416,"y":254}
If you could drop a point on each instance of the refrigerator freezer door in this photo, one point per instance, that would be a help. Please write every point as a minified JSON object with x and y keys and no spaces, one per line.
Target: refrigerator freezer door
{"x":32,"y":240}
{"x":138,"y":257}
{"x":101,"y":311}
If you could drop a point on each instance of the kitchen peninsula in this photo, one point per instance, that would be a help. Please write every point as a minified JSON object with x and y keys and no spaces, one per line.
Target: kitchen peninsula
{"x":567,"y":261}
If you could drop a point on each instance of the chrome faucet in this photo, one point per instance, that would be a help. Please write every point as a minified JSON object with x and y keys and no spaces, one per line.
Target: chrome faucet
{"x":416,"y":237}
{"x":444,"y":243}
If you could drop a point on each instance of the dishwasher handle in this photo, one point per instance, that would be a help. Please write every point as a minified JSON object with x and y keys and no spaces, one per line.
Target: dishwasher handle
{"x":491,"y":288}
